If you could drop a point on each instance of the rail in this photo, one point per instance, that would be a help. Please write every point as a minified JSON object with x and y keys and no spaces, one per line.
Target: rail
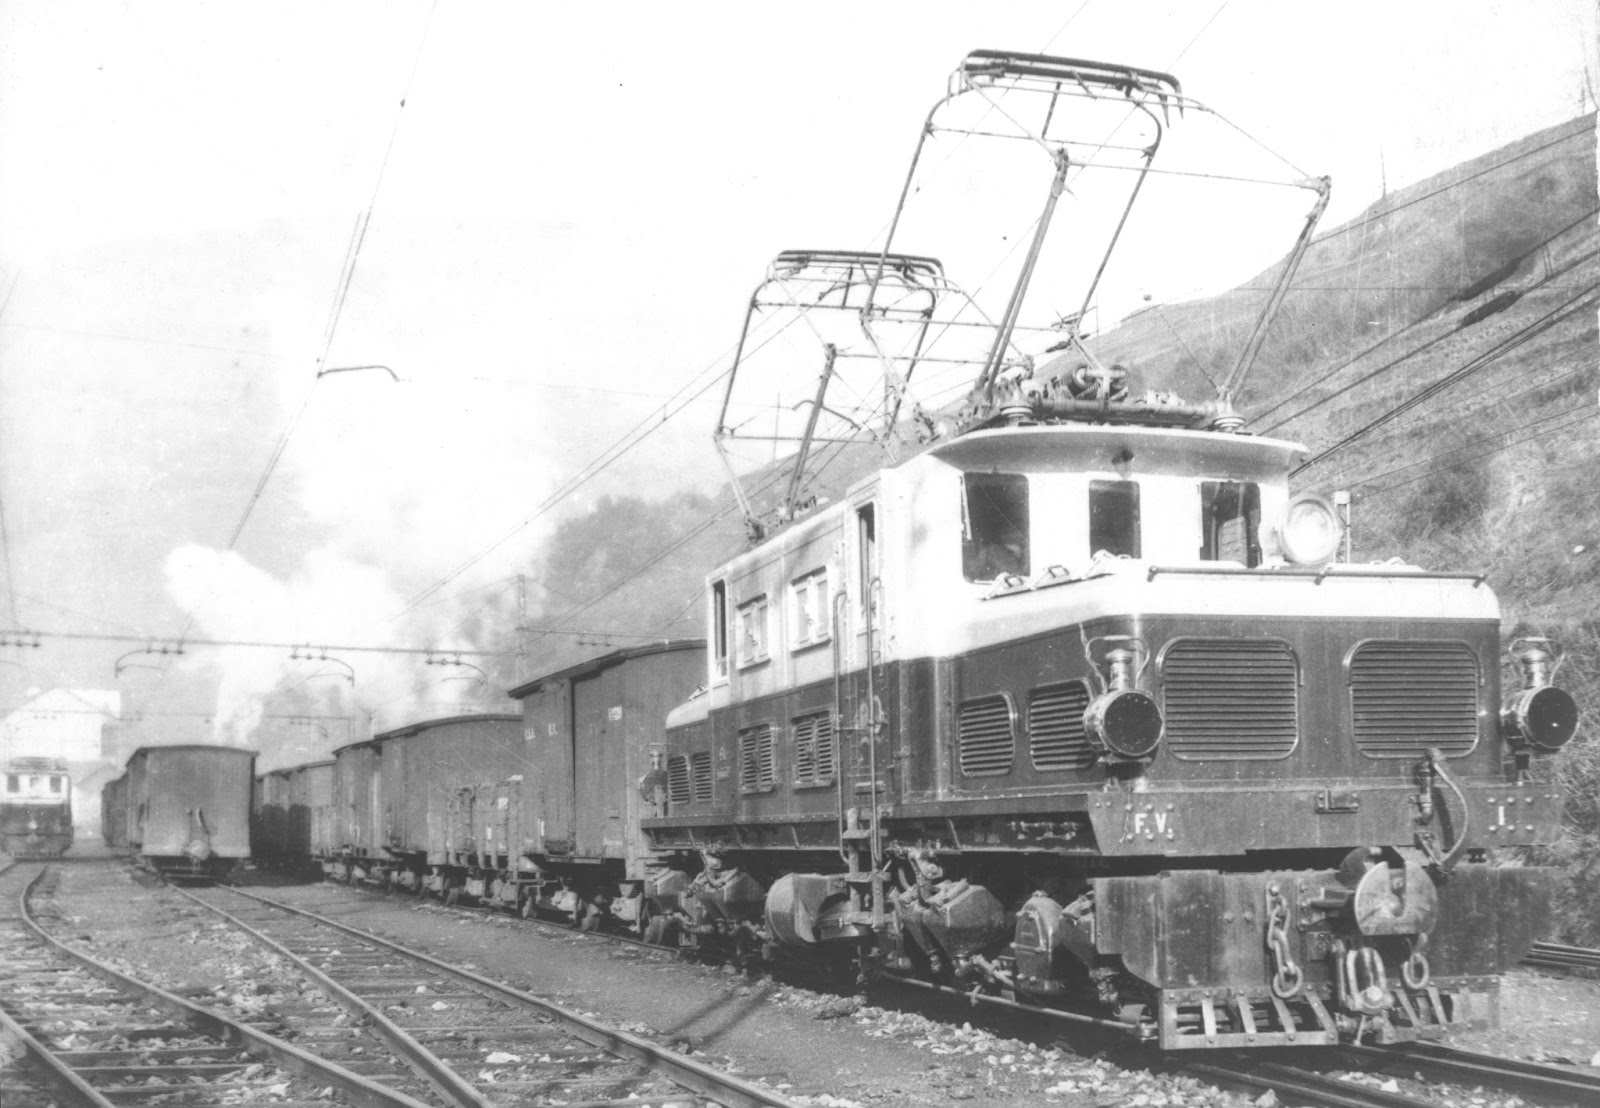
{"x":30,"y":951}
{"x":721,"y":1088}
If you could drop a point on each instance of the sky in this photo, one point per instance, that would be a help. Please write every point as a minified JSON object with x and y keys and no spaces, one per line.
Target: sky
{"x":569,"y":207}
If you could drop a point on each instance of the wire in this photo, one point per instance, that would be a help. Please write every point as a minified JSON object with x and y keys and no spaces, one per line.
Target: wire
{"x":1544,"y":323}
{"x":341,"y":294}
{"x":22,"y":636}
{"x":640,"y":431}
{"x":1588,"y":414}
{"x":1542,"y":282}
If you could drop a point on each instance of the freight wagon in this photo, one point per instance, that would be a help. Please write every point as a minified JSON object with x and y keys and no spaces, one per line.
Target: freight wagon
{"x":292,"y":809}
{"x":538,"y":811}
{"x":188,"y":808}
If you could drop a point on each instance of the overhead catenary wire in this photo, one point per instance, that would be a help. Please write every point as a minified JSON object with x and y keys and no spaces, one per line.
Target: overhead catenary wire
{"x":630,"y":439}
{"x":32,"y":637}
{"x":1580,"y":415}
{"x":1572,"y":306}
{"x":1545,"y":283}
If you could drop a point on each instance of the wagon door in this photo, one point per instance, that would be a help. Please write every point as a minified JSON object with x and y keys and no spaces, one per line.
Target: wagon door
{"x":555,"y":769}
{"x":599,"y":758}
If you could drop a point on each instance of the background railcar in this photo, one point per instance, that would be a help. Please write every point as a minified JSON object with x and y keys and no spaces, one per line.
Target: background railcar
{"x":538,"y":811}
{"x":35,"y":808}
{"x":114,"y":812}
{"x":594,"y":757}
{"x":291,"y":806}
{"x":189,"y":807}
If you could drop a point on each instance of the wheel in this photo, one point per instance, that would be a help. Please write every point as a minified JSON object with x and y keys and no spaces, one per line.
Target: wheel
{"x":658,"y":931}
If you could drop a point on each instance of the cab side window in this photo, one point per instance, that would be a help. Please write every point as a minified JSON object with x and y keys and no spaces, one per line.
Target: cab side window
{"x":1114,"y":518}
{"x":1230,"y":522}
{"x":994,"y":525}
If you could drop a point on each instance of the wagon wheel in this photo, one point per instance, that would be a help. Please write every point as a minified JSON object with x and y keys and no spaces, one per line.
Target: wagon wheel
{"x":661,"y":930}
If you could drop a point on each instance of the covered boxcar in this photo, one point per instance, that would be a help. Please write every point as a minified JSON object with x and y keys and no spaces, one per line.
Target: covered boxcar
{"x":36,"y":808}
{"x":393,"y":796}
{"x":289,"y":803}
{"x":114,"y":812}
{"x":354,"y":834}
{"x":189,"y":807}
{"x":538,"y":811}
{"x":594,"y":764}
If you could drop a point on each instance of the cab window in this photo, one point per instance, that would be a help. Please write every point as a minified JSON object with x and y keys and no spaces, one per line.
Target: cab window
{"x":1114,"y":518}
{"x":994,"y":525}
{"x":1230,"y":522}
{"x":13,"y":783}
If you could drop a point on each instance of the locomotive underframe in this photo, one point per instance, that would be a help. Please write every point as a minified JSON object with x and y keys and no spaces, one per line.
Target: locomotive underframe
{"x":1179,"y":956}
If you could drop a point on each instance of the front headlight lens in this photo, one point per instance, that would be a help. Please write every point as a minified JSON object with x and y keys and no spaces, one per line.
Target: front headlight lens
{"x":1544,"y":718}
{"x":1311,"y":530}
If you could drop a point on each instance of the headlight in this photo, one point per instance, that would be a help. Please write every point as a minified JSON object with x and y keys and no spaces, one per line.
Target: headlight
{"x":1125,"y":723}
{"x":1311,"y":530}
{"x":1543,"y":718}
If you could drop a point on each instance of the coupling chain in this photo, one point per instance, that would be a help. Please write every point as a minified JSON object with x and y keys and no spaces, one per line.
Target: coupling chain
{"x":1288,"y":979}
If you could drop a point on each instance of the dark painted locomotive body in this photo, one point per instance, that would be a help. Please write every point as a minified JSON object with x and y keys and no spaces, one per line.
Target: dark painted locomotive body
{"x":1136,"y":758}
{"x":35,"y":808}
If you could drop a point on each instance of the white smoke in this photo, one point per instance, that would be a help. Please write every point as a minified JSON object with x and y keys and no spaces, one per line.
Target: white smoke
{"x":332,"y":601}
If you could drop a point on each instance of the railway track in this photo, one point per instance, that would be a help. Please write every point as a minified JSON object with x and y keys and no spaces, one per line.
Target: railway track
{"x":1298,"y":1077}
{"x":480,"y":1041}
{"x":74,"y":1030}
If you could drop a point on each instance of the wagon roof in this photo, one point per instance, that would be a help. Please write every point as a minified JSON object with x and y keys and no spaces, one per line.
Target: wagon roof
{"x":605,"y":661}
{"x":194,"y":746}
{"x":428,"y":724}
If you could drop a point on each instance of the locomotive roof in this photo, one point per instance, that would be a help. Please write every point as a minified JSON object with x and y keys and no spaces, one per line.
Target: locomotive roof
{"x":605,"y":661}
{"x":1077,"y":446}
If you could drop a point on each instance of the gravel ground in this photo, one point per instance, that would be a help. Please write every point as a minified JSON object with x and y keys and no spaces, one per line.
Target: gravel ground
{"x":820,"y":1049}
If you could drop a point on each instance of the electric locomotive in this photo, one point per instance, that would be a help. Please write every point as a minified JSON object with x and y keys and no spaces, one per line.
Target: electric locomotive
{"x":1078,"y":707}
{"x":36,"y":808}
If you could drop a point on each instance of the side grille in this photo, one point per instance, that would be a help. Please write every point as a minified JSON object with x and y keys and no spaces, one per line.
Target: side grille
{"x":677,"y":779}
{"x":1055,"y":727}
{"x":1230,"y":699}
{"x":700,"y":776}
{"x":986,"y":735}
{"x":1409,"y":694}
{"x":757,"y":772}
{"x":813,"y":749}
